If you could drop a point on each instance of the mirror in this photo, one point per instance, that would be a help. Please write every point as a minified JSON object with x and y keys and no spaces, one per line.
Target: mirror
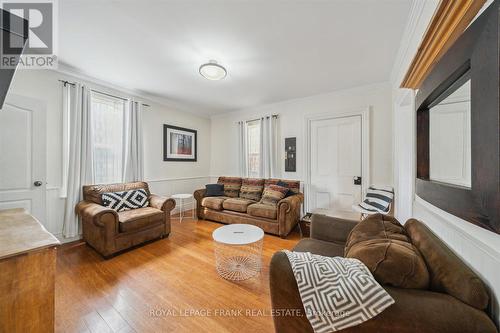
{"x":450,"y":138}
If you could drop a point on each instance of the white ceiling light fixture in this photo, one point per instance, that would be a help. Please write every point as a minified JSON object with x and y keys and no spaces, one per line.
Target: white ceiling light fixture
{"x":213,"y":71}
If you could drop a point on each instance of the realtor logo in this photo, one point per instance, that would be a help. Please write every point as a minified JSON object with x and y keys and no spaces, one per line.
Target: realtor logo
{"x":40,"y":28}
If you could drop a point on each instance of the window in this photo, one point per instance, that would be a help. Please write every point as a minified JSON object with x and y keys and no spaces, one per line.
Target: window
{"x":107,"y":126}
{"x":253,"y":149}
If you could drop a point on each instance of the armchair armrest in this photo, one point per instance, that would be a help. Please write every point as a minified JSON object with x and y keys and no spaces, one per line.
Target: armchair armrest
{"x":161,"y":203}
{"x":91,"y":211}
{"x":331,"y":229}
{"x":289,"y":213}
{"x":100,"y":226}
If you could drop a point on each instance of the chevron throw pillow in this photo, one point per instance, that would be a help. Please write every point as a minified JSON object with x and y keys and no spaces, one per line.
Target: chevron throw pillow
{"x":336,"y":292}
{"x":125,"y":200}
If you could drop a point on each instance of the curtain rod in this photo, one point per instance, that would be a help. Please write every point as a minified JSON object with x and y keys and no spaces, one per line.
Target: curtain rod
{"x":100,"y":92}
{"x":249,"y":120}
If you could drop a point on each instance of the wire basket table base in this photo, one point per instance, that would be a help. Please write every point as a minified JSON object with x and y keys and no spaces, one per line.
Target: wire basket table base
{"x":238,"y":262}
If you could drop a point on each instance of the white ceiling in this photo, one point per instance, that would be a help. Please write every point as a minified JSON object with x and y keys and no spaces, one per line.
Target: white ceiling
{"x":273,"y":50}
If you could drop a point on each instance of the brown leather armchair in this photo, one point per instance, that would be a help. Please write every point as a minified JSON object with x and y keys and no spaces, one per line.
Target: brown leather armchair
{"x":109,"y":232}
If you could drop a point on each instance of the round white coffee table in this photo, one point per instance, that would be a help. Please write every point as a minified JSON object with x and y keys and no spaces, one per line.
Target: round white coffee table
{"x":183,"y":197}
{"x":238,"y":251}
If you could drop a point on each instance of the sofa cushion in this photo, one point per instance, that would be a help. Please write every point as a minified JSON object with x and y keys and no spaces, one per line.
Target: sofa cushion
{"x":213,"y":202}
{"x":293,"y":185}
{"x":232,"y":186}
{"x":237,"y":204}
{"x":392,"y":262}
{"x":251,"y":188}
{"x":262,"y":210}
{"x":376,"y":226}
{"x":214,"y":190}
{"x":448,"y":273}
{"x":322,"y":248}
{"x":423,"y":311}
{"x":272,"y":194}
{"x":382,"y":244}
{"x":135,"y":219}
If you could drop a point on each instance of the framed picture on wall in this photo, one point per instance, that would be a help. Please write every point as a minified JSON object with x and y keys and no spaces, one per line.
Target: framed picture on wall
{"x":179,"y":144}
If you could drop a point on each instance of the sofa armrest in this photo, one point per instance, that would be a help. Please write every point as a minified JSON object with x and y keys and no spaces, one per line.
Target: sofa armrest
{"x":290,"y":203}
{"x":289,"y":213}
{"x":331,"y":229}
{"x":161,"y":203}
{"x":199,"y":194}
{"x":285,"y":298}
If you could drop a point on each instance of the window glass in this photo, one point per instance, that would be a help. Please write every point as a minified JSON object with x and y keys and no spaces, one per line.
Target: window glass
{"x":107,"y":121}
{"x":253,"y":158}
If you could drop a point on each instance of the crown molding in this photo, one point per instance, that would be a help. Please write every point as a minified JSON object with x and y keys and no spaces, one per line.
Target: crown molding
{"x":68,"y":70}
{"x":410,"y":32}
{"x":449,"y":21}
{"x":263,"y":109}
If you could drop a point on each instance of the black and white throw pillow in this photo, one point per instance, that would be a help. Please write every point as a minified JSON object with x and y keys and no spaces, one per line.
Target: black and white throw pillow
{"x":125,"y":200}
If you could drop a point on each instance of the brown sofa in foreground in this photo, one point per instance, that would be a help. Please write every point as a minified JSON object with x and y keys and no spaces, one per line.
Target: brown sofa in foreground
{"x":109,"y":232}
{"x":232,"y":208}
{"x":443,"y":295}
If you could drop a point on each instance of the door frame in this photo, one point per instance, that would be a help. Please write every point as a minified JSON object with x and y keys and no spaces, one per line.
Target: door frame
{"x":364,"y":113}
{"x":405,"y":166}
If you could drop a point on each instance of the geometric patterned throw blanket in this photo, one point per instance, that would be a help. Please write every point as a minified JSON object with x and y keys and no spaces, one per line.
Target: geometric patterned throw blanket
{"x":336,"y":292}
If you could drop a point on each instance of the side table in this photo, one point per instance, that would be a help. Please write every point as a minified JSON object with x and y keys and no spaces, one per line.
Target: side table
{"x":182,"y":197}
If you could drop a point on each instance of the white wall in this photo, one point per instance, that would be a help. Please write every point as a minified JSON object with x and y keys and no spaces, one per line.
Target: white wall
{"x":292,"y":124}
{"x":479,"y":248}
{"x":165,"y":178}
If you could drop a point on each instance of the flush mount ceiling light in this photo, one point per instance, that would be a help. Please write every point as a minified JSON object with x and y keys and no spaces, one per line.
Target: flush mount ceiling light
{"x":212,"y":71}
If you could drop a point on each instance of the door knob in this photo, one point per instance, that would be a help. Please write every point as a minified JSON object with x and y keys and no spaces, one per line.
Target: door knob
{"x":38,"y":183}
{"x":357,"y":180}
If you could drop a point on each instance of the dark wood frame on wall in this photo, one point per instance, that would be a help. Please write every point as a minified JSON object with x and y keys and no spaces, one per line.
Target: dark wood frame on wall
{"x":476,"y":55}
{"x":166,"y":141}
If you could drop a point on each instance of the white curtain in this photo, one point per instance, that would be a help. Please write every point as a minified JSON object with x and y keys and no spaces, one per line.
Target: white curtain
{"x":79,"y":171}
{"x":242,"y":149}
{"x":133,"y":165}
{"x":269,"y":145}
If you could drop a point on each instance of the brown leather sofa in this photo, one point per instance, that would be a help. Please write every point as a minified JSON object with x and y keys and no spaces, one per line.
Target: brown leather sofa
{"x":231,"y":208}
{"x":455,"y":300}
{"x":110,"y":232}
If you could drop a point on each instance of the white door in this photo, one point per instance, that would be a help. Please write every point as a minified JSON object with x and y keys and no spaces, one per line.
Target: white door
{"x":335,"y":162}
{"x":22,"y":155}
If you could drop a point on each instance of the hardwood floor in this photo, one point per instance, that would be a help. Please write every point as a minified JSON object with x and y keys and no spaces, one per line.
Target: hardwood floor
{"x":166,"y":286}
